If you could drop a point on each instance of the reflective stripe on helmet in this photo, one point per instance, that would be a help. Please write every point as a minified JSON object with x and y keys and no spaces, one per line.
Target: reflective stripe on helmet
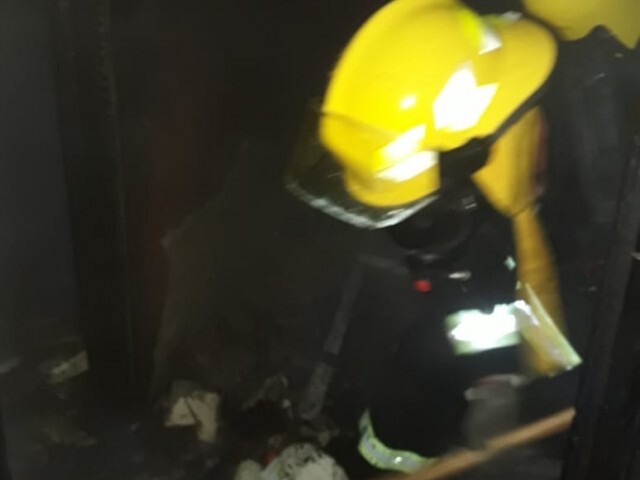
{"x":385,"y":458}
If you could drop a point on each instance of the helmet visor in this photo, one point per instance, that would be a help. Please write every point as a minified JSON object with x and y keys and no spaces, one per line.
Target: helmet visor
{"x":360,"y":174}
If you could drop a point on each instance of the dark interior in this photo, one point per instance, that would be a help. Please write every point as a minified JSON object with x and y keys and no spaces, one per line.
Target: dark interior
{"x":142,"y":150}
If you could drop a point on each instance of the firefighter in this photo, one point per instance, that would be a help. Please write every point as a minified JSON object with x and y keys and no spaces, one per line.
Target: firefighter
{"x":430,"y":127}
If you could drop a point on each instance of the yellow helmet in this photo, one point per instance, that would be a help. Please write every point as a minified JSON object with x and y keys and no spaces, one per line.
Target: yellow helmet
{"x":416,"y":100}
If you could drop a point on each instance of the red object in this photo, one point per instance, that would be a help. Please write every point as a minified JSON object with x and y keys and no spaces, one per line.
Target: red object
{"x":270,"y":457}
{"x":422,"y":286}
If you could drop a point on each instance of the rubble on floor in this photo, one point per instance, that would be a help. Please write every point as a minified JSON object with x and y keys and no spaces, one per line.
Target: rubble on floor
{"x":62,"y":431}
{"x":248,"y":470}
{"x":58,"y":371}
{"x":190,"y":405}
{"x":66,"y":359}
{"x":301,"y":461}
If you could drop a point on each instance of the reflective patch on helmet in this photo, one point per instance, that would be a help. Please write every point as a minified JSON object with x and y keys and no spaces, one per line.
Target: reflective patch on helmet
{"x":402,"y":159}
{"x":462,"y":102}
{"x":490,"y":40}
{"x":411,"y":167}
{"x":401,"y":147}
{"x":408,"y":102}
{"x":472,"y":331}
{"x":384,"y":458}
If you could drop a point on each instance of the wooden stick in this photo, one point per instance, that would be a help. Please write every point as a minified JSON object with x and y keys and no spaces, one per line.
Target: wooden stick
{"x":460,"y":462}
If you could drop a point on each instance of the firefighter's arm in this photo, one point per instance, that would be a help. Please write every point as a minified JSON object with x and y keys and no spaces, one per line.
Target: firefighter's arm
{"x":509,"y":184}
